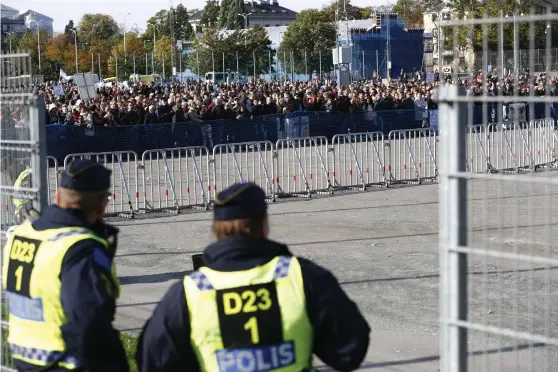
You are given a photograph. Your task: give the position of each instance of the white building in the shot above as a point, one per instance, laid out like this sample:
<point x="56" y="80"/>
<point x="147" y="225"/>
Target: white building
<point x="265" y="13"/>
<point x="31" y="18"/>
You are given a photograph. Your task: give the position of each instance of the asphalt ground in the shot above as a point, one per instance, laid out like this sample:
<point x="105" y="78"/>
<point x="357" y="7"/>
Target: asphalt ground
<point x="382" y="245"/>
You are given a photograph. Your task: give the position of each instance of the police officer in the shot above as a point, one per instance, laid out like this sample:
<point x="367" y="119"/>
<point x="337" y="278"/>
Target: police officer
<point x="254" y="306"/>
<point x="60" y="280"/>
<point x="20" y="203"/>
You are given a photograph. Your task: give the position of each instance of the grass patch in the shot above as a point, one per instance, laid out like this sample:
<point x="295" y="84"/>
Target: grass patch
<point x="130" y="343"/>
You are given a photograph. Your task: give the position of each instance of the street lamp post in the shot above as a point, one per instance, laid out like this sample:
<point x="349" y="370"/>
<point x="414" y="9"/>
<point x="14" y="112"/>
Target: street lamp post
<point x="38" y="40"/>
<point x="154" y="46"/>
<point x="76" y="47"/>
<point x="146" y="72"/>
<point x="515" y="38"/>
<point x="125" y="15"/>
<point x="245" y="16"/>
<point x="10" y="39"/>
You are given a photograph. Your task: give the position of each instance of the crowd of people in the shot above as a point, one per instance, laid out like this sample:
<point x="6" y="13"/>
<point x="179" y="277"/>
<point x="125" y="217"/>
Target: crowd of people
<point x="199" y="102"/>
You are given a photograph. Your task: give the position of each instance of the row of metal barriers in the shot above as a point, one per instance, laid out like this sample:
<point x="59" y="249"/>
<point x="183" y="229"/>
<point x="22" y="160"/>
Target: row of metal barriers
<point x="173" y="179"/>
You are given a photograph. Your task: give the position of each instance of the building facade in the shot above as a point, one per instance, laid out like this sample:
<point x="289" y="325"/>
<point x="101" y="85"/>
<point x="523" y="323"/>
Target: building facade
<point x="31" y="18"/>
<point x="265" y="13"/>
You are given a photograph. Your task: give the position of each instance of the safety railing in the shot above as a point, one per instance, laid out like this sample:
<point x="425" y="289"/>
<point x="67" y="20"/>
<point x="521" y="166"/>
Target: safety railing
<point x="124" y="198"/>
<point x="359" y="160"/>
<point x="478" y="158"/>
<point x="303" y="167"/>
<point x="53" y="173"/>
<point x="175" y="179"/>
<point x="245" y="162"/>
<point x="412" y="156"/>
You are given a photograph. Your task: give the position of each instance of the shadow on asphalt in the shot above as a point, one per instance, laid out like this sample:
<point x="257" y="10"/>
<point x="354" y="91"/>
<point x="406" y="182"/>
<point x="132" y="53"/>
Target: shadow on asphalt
<point x="433" y="358"/>
<point x="153" y="278"/>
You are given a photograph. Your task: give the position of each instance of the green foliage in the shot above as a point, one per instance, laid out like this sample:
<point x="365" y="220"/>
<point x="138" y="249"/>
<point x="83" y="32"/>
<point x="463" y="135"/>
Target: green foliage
<point x="309" y="25"/>
<point x="96" y="27"/>
<point x="212" y="46"/>
<point x="173" y="23"/>
<point x="351" y="10"/>
<point x="411" y="11"/>
<point x="229" y="15"/>
<point x="210" y="17"/>
<point x="130" y="343"/>
<point x="182" y="28"/>
<point x="11" y="40"/>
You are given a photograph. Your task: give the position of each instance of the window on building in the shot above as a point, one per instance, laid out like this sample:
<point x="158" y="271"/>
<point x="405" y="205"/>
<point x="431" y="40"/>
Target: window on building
<point x="266" y="26"/>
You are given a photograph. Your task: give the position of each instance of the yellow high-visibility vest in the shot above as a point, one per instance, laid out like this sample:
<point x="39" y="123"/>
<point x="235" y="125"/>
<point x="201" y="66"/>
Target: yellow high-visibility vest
<point x="21" y="181"/>
<point x="252" y="320"/>
<point x="31" y="278"/>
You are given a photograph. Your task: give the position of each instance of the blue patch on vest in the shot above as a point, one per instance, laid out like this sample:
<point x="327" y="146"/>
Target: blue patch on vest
<point x="282" y="268"/>
<point x="264" y="358"/>
<point x="100" y="258"/>
<point x="42" y="356"/>
<point x="25" y="308"/>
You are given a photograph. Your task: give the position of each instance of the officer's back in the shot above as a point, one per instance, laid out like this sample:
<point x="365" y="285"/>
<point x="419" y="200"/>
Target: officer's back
<point x="60" y="280"/>
<point x="254" y="307"/>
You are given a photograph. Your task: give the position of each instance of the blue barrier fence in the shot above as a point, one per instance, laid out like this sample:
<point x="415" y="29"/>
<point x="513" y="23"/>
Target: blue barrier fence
<point x="64" y="139"/>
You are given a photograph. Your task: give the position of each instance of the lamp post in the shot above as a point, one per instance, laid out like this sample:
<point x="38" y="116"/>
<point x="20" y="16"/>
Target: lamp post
<point x="245" y="16"/>
<point x="146" y="72"/>
<point x="153" y="54"/>
<point x="125" y="15"/>
<point x="38" y="40"/>
<point x="76" y="48"/>
<point x="515" y="38"/>
<point x="10" y="39"/>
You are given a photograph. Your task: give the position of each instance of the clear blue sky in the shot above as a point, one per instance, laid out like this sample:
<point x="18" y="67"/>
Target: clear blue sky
<point x="62" y="11"/>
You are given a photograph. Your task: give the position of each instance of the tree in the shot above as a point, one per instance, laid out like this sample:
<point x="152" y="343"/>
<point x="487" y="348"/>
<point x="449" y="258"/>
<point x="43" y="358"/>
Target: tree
<point x="11" y="42"/>
<point x="182" y="28"/>
<point x="312" y="25"/>
<point x="352" y="11"/>
<point x="210" y="17"/>
<point x="135" y="52"/>
<point x="68" y="30"/>
<point x="229" y="15"/>
<point x="97" y="27"/>
<point x="213" y="47"/>
<point x="29" y="42"/>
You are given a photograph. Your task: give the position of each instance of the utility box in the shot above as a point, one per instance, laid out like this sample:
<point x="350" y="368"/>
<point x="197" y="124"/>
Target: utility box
<point x="344" y="54"/>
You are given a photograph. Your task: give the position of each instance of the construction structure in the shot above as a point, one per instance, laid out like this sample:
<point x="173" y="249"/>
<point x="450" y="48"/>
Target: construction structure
<point x="385" y="46"/>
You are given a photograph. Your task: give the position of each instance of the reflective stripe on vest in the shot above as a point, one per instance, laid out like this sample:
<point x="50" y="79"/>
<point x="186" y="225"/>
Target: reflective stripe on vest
<point x="31" y="278"/>
<point x="252" y="320"/>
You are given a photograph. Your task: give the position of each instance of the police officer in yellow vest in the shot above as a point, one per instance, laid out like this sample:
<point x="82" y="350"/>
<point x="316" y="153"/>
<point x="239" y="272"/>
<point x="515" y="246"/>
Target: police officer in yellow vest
<point x="254" y="306"/>
<point x="60" y="281"/>
<point x="23" y="180"/>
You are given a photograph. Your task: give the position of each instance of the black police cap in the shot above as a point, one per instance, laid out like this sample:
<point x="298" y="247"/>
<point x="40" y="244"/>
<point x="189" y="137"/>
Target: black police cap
<point x="241" y="200"/>
<point x="86" y="175"/>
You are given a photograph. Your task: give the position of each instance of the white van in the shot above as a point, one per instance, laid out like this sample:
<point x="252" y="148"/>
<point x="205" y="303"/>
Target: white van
<point x="221" y="77"/>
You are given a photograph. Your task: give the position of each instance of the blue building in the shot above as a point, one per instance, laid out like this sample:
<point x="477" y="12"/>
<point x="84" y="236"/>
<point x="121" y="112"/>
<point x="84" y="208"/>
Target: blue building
<point x="409" y="46"/>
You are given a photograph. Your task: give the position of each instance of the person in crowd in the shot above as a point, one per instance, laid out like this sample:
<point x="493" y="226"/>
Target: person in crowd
<point x="209" y="322"/>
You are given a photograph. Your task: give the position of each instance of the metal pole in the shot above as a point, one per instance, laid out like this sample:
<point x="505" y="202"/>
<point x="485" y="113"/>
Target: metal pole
<point x="237" y="68"/>
<point x="154" y="47"/>
<point x="180" y="61"/>
<point x="99" y="55"/>
<point x="198" y="64"/>
<point x="515" y="46"/>
<point x="377" y="64"/>
<point x="223" y="64"/>
<point x="76" y="47"/>
<point x="320" y="57"/>
<point x="453" y="232"/>
<point x="116" y="68"/>
<point x="213" y="63"/>
<point x="146" y="64"/>
<point x="163" y="58"/>
<point x="134" y="57"/>
<point x="39" y="45"/>
<point x="269" y="61"/>
<point x="363" y="76"/>
<point x="501" y="37"/>
<point x="254" y="62"/>
<point x="292" y="66"/>
<point x="92" y="64"/>
<point x="306" y="66"/>
<point x="153" y="63"/>
<point x="285" y="64"/>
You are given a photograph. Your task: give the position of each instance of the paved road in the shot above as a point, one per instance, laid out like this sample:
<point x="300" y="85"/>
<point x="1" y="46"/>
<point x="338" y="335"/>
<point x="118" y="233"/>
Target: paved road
<point x="383" y="246"/>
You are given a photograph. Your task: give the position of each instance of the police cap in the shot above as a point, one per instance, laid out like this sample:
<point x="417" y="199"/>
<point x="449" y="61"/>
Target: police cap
<point x="241" y="200"/>
<point x="86" y="175"/>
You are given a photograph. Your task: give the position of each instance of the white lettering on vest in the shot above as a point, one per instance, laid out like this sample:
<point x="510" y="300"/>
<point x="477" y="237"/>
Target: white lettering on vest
<point x="260" y="359"/>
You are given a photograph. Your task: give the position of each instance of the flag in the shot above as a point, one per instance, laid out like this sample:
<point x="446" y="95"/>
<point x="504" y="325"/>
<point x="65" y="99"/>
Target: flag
<point x="63" y="74"/>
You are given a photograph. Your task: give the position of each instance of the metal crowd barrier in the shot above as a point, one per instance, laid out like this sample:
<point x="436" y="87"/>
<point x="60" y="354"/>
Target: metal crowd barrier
<point x="245" y="162"/>
<point x="478" y="158"/>
<point x="52" y="178"/>
<point x="302" y="167"/>
<point x="358" y="160"/>
<point x="175" y="179"/>
<point x="412" y="156"/>
<point x="124" y="179"/>
<point x="522" y="146"/>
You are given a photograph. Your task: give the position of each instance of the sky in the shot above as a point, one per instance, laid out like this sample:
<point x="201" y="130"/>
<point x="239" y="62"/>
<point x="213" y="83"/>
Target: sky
<point x="62" y="11"/>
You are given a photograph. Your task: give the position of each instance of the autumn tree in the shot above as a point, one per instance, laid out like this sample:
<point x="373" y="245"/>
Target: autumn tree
<point x="210" y="17"/>
<point x="94" y="27"/>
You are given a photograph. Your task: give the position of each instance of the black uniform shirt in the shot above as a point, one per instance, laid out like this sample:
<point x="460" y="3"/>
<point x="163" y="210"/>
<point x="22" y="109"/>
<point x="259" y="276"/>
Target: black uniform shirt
<point x="341" y="334"/>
